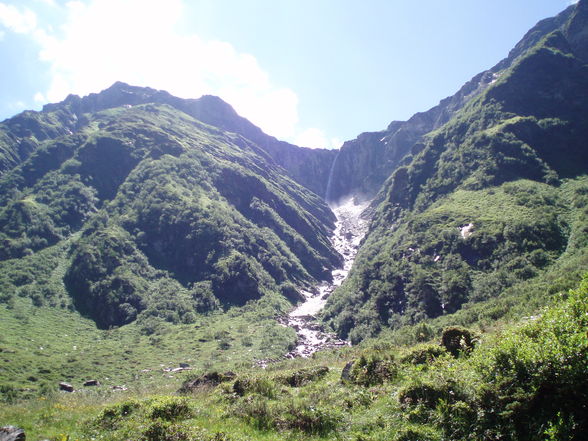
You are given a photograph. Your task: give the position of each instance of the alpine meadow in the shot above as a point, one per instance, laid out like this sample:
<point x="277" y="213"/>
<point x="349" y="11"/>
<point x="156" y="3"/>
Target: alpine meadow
<point x="170" y="272"/>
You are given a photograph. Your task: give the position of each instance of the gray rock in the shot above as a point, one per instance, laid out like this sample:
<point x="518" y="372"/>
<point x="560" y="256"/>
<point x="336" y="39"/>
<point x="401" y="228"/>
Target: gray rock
<point x="346" y="373"/>
<point x="66" y="387"/>
<point x="11" y="433"/>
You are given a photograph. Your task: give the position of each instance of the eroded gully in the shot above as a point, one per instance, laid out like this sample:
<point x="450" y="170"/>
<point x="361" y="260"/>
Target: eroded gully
<point x="350" y="228"/>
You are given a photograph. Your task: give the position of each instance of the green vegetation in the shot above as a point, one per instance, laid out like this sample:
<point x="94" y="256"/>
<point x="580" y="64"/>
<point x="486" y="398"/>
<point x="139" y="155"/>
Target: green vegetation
<point x="41" y="346"/>
<point x="145" y="213"/>
<point x="491" y="204"/>
<point x="522" y="382"/>
<point x="153" y="253"/>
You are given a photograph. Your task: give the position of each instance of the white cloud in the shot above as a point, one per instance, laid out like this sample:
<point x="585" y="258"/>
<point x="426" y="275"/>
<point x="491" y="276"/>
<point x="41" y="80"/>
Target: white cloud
<point x="40" y="98"/>
<point x="21" y="22"/>
<point x="137" y="41"/>
<point x="48" y="3"/>
<point x="316" y="138"/>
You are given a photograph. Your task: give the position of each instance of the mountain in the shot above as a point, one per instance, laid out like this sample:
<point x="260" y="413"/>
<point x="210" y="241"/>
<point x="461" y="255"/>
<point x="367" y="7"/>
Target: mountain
<point x="132" y="192"/>
<point x="146" y="210"/>
<point x="492" y="197"/>
<point x="363" y="164"/>
<point x="153" y="249"/>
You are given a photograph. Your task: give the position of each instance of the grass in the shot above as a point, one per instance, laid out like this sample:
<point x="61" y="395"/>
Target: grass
<point x="431" y="395"/>
<point x="43" y="346"/>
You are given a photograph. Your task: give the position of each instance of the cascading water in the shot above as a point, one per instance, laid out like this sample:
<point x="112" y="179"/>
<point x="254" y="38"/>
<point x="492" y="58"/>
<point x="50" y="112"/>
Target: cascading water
<point x="350" y="228"/>
<point x="329" y="191"/>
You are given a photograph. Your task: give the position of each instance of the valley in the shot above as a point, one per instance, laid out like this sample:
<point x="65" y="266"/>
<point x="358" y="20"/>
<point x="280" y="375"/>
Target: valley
<point x="425" y="282"/>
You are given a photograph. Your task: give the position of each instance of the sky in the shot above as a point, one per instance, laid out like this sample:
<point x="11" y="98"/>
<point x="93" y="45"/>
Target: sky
<point x="312" y="72"/>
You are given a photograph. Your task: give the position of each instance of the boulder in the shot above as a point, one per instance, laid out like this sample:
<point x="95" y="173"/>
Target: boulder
<point x="11" y="433"/>
<point x="346" y="373"/>
<point x="66" y="387"/>
<point x="91" y="383"/>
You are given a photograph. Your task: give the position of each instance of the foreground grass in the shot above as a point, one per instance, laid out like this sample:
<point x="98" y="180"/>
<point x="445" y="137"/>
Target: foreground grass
<point x="525" y="382"/>
<point x="40" y="347"/>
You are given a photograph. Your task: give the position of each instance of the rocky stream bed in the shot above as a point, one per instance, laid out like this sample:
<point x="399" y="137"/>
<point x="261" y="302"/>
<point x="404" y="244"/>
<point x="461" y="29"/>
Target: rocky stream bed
<point x="311" y="336"/>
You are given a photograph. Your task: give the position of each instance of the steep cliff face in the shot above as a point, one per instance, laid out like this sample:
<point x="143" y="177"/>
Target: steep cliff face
<point x="363" y="164"/>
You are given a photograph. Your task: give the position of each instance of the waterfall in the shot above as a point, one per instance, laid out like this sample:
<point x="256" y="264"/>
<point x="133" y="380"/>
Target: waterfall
<point x="328" y="194"/>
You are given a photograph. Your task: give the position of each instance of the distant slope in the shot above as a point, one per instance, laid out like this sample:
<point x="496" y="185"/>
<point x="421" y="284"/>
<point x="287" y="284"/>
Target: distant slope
<point x="495" y="197"/>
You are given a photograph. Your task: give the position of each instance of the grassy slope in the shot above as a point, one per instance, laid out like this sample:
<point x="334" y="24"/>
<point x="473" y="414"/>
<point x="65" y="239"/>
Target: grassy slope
<point x="512" y="386"/>
<point x="176" y="182"/>
<point x="43" y="346"/>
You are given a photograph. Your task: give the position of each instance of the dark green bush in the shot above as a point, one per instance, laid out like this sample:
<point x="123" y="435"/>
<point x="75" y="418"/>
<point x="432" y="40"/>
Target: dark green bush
<point x="304" y="376"/>
<point x="372" y="370"/>
<point x="457" y="340"/>
<point x="424" y="354"/>
<point x="170" y="409"/>
<point x="209" y="379"/>
<point x="165" y="431"/>
<point x="255" y="385"/>
<point x="416" y="434"/>
<point x="428" y="395"/>
<point x="309" y="419"/>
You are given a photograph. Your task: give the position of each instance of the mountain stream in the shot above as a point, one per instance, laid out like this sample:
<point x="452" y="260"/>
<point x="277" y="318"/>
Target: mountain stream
<point x="350" y="228"/>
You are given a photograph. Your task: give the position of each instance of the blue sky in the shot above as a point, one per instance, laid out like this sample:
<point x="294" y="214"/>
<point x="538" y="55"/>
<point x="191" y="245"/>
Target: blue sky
<point x="313" y="72"/>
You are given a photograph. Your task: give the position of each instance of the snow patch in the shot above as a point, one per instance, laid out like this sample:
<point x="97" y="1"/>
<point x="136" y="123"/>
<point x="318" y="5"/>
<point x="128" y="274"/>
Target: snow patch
<point x="466" y="230"/>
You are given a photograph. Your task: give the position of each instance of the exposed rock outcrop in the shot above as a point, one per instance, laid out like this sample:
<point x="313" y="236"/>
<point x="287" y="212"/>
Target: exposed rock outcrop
<point x="11" y="433"/>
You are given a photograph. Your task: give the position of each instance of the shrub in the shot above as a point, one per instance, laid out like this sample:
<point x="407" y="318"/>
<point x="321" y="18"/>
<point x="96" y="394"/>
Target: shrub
<point x="424" y="354"/>
<point x="111" y="417"/>
<point x="165" y="431"/>
<point x="304" y="376"/>
<point x="8" y="393"/>
<point x="310" y="419"/>
<point x="416" y="434"/>
<point x="256" y="411"/>
<point x="170" y="409"/>
<point x="457" y="340"/>
<point x="372" y="370"/>
<point x="255" y="385"/>
<point x="428" y="395"/>
<point x="210" y="379"/>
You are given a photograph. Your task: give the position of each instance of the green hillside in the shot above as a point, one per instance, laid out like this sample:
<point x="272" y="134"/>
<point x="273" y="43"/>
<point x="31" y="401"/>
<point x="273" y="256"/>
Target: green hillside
<point x="494" y="199"/>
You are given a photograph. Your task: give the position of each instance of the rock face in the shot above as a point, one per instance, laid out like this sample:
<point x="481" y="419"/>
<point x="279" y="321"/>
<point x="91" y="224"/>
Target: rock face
<point x="11" y="433"/>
